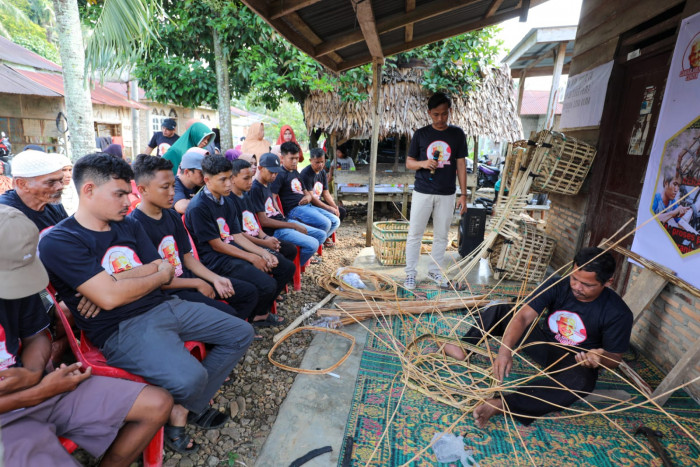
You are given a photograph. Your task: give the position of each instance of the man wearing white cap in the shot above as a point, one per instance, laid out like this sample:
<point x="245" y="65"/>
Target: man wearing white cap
<point x="38" y="182"/>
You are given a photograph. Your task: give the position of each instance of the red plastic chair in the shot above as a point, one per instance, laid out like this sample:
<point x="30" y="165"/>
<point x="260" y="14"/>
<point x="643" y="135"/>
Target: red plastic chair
<point x="320" y="246"/>
<point x="89" y="355"/>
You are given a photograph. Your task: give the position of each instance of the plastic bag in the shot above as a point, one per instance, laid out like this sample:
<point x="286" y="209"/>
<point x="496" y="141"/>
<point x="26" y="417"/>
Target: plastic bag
<point x="352" y="279"/>
<point x="330" y="322"/>
<point x="450" y="448"/>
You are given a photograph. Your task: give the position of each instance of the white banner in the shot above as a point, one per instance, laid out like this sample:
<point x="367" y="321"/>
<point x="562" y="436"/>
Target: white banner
<point x="673" y="239"/>
<point x="585" y="97"/>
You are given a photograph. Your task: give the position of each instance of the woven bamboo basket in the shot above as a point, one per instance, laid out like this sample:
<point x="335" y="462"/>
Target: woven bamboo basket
<point x="563" y="163"/>
<point x="525" y="257"/>
<point x="389" y="242"/>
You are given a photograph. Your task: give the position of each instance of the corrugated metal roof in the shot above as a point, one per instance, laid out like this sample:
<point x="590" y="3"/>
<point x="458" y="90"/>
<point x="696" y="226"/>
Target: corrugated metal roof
<point x="13" y="53"/>
<point x="15" y="83"/>
<point x="99" y="94"/>
<point x="535" y="103"/>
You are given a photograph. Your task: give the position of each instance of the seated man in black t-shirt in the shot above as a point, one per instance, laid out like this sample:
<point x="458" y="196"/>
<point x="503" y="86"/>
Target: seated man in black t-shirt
<point x="193" y="281"/>
<point x="189" y="179"/>
<point x="314" y="178"/>
<point x="212" y="220"/>
<point x="99" y="414"/>
<point x="587" y="327"/>
<point x="241" y="182"/>
<point x="107" y="257"/>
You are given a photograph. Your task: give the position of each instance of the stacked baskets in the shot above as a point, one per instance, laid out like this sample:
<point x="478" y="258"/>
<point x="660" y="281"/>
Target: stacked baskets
<point x="389" y="242"/>
<point x="524" y="257"/>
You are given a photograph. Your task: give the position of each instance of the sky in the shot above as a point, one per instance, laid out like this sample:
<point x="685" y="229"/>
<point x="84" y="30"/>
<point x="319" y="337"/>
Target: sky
<point x="551" y="13"/>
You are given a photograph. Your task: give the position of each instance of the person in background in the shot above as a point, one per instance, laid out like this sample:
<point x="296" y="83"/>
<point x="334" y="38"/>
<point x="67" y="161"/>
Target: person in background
<point x="252" y="160"/>
<point x="232" y="154"/>
<point x="108" y="417"/>
<point x="343" y="160"/>
<point x="5" y="181"/>
<point x="188" y="181"/>
<point x="287" y="135"/>
<point x="69" y="196"/>
<point x="198" y="135"/>
<point x="315" y="181"/>
<point x="162" y="140"/>
<point x="255" y="142"/>
<point x="115" y="150"/>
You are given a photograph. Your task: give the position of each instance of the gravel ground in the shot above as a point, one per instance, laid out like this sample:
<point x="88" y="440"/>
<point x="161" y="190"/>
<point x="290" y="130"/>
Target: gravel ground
<point x="259" y="389"/>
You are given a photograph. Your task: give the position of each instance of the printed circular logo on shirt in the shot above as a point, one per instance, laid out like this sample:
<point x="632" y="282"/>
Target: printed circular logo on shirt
<point x="567" y="327"/>
<point x="270" y="210"/>
<point x="224" y="231"/>
<point x="6" y="358"/>
<point x="119" y="259"/>
<point x="250" y="224"/>
<point x="440" y="151"/>
<point x="163" y="148"/>
<point x="296" y="186"/>
<point x="167" y="249"/>
<point x="318" y="189"/>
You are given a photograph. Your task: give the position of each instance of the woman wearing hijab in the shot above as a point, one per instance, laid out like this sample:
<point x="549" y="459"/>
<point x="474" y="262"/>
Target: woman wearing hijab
<point x="232" y="154"/>
<point x="255" y="142"/>
<point x="114" y="150"/>
<point x="287" y="134"/>
<point x="197" y="135"/>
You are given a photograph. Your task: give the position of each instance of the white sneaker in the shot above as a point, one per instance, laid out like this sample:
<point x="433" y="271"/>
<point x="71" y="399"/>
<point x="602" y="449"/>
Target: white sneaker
<point x="438" y="279"/>
<point x="409" y="283"/>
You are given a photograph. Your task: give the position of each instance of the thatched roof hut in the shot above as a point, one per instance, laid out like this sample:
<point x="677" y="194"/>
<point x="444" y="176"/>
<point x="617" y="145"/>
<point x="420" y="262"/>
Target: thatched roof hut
<point x="490" y="111"/>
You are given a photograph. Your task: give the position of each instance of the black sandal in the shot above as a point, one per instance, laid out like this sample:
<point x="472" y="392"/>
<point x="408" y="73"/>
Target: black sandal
<point x="176" y="439"/>
<point x="271" y="320"/>
<point x="210" y="418"/>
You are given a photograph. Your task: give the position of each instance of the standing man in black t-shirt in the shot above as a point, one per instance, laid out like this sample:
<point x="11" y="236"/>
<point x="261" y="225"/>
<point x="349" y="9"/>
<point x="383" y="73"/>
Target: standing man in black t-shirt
<point x="163" y="139"/>
<point x="437" y="155"/>
<point x="586" y="326"/>
<point x="189" y="179"/>
<point x="314" y="178"/>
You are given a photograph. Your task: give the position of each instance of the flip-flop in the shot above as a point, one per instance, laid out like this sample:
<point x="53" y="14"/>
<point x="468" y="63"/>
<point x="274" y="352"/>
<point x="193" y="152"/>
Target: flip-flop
<point x="280" y="298"/>
<point x="210" y="418"/>
<point x="176" y="439"/>
<point x="271" y="320"/>
<point x="328" y="244"/>
<point x="315" y="261"/>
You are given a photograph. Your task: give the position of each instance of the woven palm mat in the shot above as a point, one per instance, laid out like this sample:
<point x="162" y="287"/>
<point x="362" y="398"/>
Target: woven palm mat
<point x="583" y="441"/>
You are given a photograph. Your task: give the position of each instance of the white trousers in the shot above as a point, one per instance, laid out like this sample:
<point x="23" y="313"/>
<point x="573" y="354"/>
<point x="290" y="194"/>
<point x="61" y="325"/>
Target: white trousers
<point x="422" y="206"/>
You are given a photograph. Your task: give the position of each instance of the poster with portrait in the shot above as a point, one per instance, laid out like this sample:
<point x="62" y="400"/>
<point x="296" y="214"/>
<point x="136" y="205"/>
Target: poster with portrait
<point x="668" y="217"/>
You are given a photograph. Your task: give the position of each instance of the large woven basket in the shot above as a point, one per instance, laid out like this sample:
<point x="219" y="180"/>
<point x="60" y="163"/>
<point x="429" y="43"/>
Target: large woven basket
<point x="562" y="162"/>
<point x="523" y="258"/>
<point x="389" y="242"/>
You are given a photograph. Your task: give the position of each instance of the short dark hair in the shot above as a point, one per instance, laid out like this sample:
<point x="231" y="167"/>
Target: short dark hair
<point x="238" y="165"/>
<point x="145" y="167"/>
<point x="438" y="99"/>
<point x="343" y="150"/>
<point x="593" y="259"/>
<point x="214" y="165"/>
<point x="317" y="153"/>
<point x="100" y="167"/>
<point x="290" y="147"/>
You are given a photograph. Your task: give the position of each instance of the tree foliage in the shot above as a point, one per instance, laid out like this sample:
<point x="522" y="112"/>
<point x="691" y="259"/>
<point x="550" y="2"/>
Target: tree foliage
<point x="29" y="23"/>
<point x="269" y="70"/>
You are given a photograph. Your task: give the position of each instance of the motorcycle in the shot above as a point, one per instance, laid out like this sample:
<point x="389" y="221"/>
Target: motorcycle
<point x="488" y="176"/>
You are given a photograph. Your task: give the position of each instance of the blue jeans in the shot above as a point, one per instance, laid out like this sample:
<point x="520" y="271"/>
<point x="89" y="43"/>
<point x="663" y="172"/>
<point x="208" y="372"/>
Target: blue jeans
<point x="151" y="345"/>
<point x="316" y="217"/>
<point x="308" y="243"/>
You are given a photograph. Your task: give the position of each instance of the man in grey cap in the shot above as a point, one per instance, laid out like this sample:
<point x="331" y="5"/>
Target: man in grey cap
<point x="102" y="415"/>
<point x="38" y="181"/>
<point x="163" y="139"/>
<point x="189" y="179"/>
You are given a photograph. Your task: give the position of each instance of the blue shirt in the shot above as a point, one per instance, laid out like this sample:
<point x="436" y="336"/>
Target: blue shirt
<point x="658" y="204"/>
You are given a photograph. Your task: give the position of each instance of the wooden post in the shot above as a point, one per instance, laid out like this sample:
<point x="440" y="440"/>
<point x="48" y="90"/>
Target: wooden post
<point x="397" y="148"/>
<point x="332" y="147"/>
<point x="521" y="90"/>
<point x="554" y="92"/>
<point x="376" y="113"/>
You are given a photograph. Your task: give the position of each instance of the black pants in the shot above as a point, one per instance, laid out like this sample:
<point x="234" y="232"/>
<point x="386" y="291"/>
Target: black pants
<point x="268" y="287"/>
<point x="241" y="304"/>
<point x="343" y="213"/>
<point x="525" y="403"/>
<point x="288" y="250"/>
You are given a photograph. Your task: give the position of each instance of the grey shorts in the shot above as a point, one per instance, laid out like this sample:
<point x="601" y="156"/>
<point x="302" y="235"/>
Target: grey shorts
<point x="90" y="416"/>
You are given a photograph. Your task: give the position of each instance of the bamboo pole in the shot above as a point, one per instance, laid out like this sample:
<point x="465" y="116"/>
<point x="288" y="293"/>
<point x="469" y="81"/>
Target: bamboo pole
<point x="376" y="114"/>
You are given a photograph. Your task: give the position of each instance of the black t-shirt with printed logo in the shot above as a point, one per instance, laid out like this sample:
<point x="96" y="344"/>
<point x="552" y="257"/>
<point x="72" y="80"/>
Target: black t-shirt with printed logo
<point x="159" y="139"/>
<point x="289" y="187"/>
<point x="316" y="183"/>
<point x="182" y="192"/>
<point x="207" y="220"/>
<point x="261" y="200"/>
<point x="50" y="216"/>
<point x="605" y="323"/>
<point x="246" y="213"/>
<point x="19" y="319"/>
<point x="169" y="236"/>
<point x="73" y="255"/>
<point x="448" y="146"/>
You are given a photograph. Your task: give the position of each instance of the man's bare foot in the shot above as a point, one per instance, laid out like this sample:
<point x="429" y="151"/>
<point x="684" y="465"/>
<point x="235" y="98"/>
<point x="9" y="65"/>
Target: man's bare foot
<point x="454" y="351"/>
<point x="485" y="411"/>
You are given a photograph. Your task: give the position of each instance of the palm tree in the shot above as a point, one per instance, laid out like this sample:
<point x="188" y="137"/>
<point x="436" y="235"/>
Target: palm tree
<point x="117" y="35"/>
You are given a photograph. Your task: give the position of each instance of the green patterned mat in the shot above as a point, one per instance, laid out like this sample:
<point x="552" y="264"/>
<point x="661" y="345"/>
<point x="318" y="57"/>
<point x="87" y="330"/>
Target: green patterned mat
<point x="584" y="441"/>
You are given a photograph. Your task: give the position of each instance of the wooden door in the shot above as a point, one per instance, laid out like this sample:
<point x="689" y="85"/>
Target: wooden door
<point x="627" y="132"/>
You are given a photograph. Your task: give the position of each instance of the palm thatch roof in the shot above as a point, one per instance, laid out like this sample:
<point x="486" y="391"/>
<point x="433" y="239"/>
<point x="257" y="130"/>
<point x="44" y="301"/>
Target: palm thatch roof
<point x="489" y="111"/>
